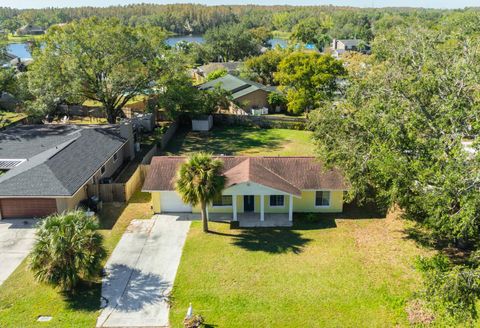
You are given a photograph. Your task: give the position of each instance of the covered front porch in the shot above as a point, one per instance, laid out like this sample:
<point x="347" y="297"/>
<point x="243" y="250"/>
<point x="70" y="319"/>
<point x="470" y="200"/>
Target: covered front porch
<point x="251" y="220"/>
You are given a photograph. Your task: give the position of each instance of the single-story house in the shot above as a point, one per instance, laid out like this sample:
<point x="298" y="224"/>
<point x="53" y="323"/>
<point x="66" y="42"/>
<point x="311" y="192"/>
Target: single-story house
<point x="255" y="187"/>
<point x="249" y="94"/>
<point x="201" y="72"/>
<point x="50" y="168"/>
<point x="339" y="47"/>
<point x="30" y="29"/>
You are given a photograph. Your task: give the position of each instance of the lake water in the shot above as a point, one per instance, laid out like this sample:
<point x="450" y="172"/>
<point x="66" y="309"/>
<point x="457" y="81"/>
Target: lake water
<point x="21" y="50"/>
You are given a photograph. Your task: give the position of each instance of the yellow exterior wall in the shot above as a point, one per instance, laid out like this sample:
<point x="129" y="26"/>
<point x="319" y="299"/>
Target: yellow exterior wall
<point x="305" y="204"/>
<point x="226" y="209"/>
<point x="156" y="202"/>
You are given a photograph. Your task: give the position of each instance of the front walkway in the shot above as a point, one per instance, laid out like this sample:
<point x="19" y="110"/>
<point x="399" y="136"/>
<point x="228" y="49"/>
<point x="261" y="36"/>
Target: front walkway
<point x="141" y="271"/>
<point x="17" y="238"/>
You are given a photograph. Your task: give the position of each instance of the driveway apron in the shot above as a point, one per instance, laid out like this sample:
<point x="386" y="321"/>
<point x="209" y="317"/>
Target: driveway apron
<point x="141" y="271"/>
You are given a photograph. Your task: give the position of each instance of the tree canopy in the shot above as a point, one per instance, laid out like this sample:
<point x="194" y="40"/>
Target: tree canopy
<point x="101" y="60"/>
<point x="308" y="79"/>
<point x="231" y="42"/>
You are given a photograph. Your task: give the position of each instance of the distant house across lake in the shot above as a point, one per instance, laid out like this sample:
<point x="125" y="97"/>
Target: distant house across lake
<point x="340" y="46"/>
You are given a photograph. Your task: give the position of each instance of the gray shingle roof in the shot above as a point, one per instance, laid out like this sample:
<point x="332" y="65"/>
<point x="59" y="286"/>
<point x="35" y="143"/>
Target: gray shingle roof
<point x="237" y="86"/>
<point x="60" y="158"/>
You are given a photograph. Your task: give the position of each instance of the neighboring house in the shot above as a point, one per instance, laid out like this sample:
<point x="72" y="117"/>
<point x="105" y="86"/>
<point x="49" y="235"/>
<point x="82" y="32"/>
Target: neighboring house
<point x="248" y="94"/>
<point x="200" y="73"/>
<point x="30" y="29"/>
<point x="262" y="185"/>
<point x="339" y="47"/>
<point x="46" y="169"/>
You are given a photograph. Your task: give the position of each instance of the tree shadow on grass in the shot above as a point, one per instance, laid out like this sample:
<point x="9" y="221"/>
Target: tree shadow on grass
<point x="268" y="240"/>
<point x="86" y="297"/>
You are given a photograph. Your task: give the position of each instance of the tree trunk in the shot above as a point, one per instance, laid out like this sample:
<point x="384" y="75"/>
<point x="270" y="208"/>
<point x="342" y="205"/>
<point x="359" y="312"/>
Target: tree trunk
<point x="111" y="117"/>
<point x="204" y="217"/>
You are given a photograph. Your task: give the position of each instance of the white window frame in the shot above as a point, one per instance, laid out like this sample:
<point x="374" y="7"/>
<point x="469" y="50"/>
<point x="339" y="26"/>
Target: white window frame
<point x="275" y="206"/>
<point x="329" y="199"/>
<point x="223" y="206"/>
<point x="115" y="157"/>
<point x="104" y="168"/>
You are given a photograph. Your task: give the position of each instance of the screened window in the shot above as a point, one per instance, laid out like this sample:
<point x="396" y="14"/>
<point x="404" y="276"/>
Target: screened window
<point x="222" y="201"/>
<point x="276" y="200"/>
<point x="322" y="198"/>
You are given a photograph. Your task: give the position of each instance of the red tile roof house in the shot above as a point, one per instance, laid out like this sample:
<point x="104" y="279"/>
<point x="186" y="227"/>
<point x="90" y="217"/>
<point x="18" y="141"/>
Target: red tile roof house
<point x="259" y="191"/>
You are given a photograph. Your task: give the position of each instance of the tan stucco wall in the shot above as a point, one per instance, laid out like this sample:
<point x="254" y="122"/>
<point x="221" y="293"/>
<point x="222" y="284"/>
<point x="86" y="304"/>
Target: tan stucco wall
<point x="255" y="99"/>
<point x="68" y="204"/>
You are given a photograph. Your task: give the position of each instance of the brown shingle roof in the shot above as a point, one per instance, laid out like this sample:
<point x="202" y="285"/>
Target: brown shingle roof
<point x="287" y="174"/>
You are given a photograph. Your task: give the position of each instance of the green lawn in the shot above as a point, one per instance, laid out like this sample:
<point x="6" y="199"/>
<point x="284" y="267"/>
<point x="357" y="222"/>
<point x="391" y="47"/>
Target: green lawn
<point x="338" y="273"/>
<point x="22" y="299"/>
<point x="7" y="118"/>
<point x="240" y="140"/>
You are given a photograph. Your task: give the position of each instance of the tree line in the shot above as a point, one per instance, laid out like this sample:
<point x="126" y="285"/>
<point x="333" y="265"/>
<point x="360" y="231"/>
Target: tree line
<point x="339" y="22"/>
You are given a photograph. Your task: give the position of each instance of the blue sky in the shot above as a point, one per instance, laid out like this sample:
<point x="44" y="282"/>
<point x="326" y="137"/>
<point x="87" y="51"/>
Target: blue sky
<point x="356" y="3"/>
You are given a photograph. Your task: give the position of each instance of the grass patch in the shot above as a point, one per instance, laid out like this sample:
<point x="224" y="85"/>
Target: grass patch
<point x="21" y="38"/>
<point x="333" y="273"/>
<point x="241" y="140"/>
<point x="22" y="299"/>
<point x="7" y="118"/>
<point x="94" y="103"/>
<point x="281" y="34"/>
<point x="88" y="120"/>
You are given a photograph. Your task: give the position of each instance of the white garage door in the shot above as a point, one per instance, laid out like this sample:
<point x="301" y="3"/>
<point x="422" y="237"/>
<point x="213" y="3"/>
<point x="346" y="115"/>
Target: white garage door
<point x="171" y="202"/>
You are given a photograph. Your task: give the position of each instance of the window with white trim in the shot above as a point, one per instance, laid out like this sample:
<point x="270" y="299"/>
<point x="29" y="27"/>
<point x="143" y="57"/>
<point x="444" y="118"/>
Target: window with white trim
<point x="222" y="200"/>
<point x="322" y="198"/>
<point x="277" y="200"/>
<point x="115" y="157"/>
<point x="102" y="170"/>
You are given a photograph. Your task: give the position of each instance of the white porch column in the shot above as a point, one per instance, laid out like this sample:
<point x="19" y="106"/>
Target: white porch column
<point x="208" y="216"/>
<point x="262" y="210"/>
<point x="234" y="203"/>
<point x="290" y="208"/>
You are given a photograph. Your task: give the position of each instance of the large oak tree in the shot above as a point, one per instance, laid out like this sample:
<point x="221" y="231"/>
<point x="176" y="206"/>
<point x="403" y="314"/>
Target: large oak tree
<point x="100" y="60"/>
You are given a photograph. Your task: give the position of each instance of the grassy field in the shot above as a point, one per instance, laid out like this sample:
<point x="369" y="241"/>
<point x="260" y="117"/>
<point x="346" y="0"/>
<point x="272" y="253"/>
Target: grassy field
<point x="337" y="273"/>
<point x="22" y="299"/>
<point x="239" y="140"/>
<point x="24" y="38"/>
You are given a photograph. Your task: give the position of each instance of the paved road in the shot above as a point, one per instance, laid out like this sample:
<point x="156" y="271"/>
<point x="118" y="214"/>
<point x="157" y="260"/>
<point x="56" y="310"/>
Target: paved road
<point x="16" y="240"/>
<point x="141" y="272"/>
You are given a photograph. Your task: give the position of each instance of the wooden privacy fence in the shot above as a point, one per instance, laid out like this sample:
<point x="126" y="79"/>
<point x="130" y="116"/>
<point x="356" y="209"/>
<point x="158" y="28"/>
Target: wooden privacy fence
<point x="122" y="192"/>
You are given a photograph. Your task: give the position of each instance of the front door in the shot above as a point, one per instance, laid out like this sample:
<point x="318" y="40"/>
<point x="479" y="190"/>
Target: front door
<point x="248" y="203"/>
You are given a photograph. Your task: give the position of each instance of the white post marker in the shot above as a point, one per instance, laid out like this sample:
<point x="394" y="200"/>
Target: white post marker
<point x="234" y="203"/>
<point x="262" y="210"/>
<point x="189" y="312"/>
<point x="290" y="208"/>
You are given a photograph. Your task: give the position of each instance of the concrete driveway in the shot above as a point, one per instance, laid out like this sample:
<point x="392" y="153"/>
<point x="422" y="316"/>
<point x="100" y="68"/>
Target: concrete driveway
<point x="141" y="271"/>
<point x="16" y="241"/>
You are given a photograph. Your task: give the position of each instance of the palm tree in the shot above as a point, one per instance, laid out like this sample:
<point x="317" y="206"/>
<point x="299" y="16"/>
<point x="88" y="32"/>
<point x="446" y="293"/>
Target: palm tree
<point x="199" y="181"/>
<point x="67" y="249"/>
